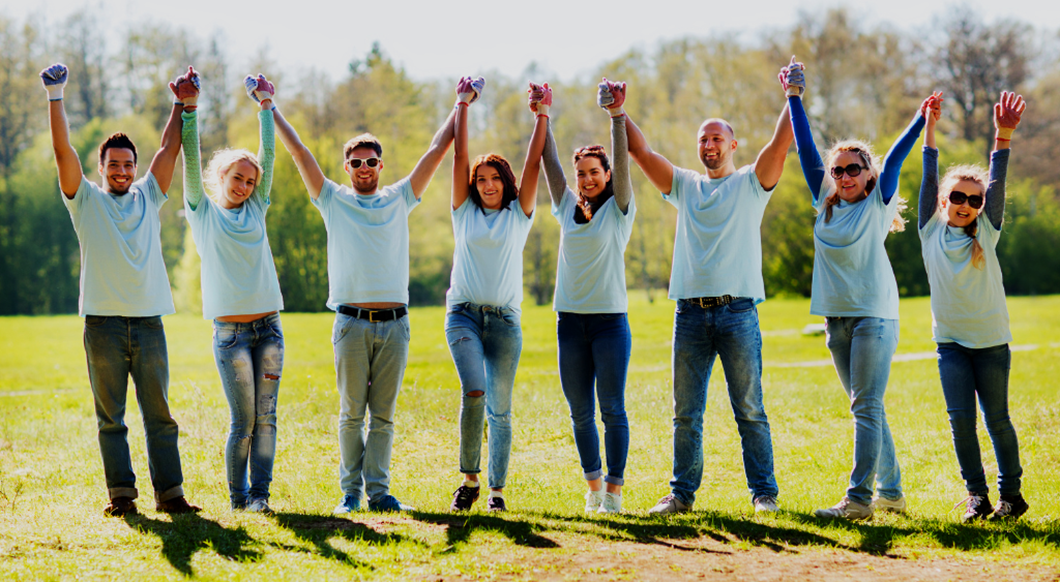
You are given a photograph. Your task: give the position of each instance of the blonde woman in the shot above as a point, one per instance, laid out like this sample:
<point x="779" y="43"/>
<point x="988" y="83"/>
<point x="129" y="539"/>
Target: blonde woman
<point x="240" y="293"/>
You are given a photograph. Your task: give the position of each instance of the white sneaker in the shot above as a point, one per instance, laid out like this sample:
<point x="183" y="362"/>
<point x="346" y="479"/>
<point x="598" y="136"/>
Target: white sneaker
<point x="846" y="509"/>
<point x="670" y="504"/>
<point x="892" y="505"/>
<point x="612" y="503"/>
<point x="593" y="501"/>
<point x="765" y="504"/>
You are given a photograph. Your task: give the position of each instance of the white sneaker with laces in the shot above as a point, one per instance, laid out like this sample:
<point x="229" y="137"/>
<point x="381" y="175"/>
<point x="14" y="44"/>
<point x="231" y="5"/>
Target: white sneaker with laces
<point x="765" y="504"/>
<point x="670" y="504"/>
<point x="846" y="509"/>
<point x="612" y="503"/>
<point x="892" y="505"/>
<point x="593" y="501"/>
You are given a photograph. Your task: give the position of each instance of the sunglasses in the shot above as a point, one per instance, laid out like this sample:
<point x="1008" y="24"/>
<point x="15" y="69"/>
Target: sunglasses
<point x="958" y="198"/>
<point x="356" y="162"/>
<point x="853" y="170"/>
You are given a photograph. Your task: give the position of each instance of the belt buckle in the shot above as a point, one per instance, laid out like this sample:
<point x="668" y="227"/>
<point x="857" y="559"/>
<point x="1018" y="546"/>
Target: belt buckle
<point x="371" y="316"/>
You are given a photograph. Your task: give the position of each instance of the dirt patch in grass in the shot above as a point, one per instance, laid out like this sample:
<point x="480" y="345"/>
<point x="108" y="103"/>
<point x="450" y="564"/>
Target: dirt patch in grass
<point x="709" y="559"/>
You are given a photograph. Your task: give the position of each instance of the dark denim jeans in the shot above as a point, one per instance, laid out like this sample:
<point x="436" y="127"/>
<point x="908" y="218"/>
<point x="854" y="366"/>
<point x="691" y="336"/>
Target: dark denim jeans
<point x="485" y="343"/>
<point x="701" y="334"/>
<point x="116" y="347"/>
<point x="969" y="373"/>
<point x="249" y="358"/>
<point x="594" y="353"/>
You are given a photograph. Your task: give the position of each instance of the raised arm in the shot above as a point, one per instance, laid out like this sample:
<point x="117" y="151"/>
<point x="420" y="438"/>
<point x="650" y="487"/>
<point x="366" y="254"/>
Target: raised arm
<point x="892" y="162"/>
<point x="540" y="102"/>
<point x="929" y="183"/>
<point x="423" y="172"/>
<point x="611" y="97"/>
<point x="532" y="167"/>
<point x="303" y="158"/>
<point x="659" y="170"/>
<point x="465" y="94"/>
<point x="1007" y="114"/>
<point x="770" y="163"/>
<point x="165" y="160"/>
<point x="261" y="91"/>
<point x="70" y="173"/>
<point x="189" y="137"/>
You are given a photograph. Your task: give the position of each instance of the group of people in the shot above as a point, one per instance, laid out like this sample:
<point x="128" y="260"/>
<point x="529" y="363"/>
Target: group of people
<point x="716" y="281"/>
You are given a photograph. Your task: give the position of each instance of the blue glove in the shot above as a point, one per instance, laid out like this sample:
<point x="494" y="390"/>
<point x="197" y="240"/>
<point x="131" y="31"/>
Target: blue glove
<point x="259" y="88"/>
<point x="794" y="78"/>
<point x="54" y="78"/>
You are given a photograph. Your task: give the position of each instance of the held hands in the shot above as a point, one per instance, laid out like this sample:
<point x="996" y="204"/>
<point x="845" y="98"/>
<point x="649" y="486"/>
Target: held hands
<point x="468" y="90"/>
<point x="792" y="78"/>
<point x="540" y="98"/>
<point x="54" y="78"/>
<point x="931" y="109"/>
<point x="186" y="89"/>
<point x="259" y="89"/>
<point x="1007" y="113"/>
<point x="611" y="97"/>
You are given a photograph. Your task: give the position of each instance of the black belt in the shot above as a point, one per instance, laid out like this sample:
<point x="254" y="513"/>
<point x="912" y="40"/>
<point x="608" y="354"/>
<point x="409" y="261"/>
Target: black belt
<point x="373" y="315"/>
<point x="706" y="302"/>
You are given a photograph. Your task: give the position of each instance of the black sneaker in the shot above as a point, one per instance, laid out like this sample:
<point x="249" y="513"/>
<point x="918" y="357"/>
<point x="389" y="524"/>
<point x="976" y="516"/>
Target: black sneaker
<point x="1009" y="507"/>
<point x="120" y="506"/>
<point x="495" y="504"/>
<point x="464" y="498"/>
<point x="976" y="506"/>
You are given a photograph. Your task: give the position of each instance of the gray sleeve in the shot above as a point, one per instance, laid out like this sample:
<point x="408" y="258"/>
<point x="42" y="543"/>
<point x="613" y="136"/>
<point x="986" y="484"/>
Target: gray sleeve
<point x="929" y="187"/>
<point x="621" y="181"/>
<point x="557" y="182"/>
<point x="995" y="192"/>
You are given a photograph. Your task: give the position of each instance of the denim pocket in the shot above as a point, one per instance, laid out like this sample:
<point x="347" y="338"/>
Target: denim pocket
<point x="510" y="318"/>
<point x="153" y="322"/>
<point x="341" y="327"/>
<point x="741" y="305"/>
<point x="611" y="316"/>
<point x="95" y="320"/>
<point x="406" y="327"/>
<point x="225" y="338"/>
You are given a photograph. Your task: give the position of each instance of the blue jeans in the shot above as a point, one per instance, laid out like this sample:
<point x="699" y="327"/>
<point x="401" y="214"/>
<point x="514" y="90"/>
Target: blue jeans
<point x="116" y="347"/>
<point x="485" y="343"/>
<point x="370" y="361"/>
<point x="701" y="334"/>
<point x="862" y="348"/>
<point x="967" y="373"/>
<point x="594" y="353"/>
<point x="249" y="358"/>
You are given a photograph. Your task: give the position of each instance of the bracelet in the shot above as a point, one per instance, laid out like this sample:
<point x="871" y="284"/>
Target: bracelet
<point x="1002" y="139"/>
<point x="459" y="103"/>
<point x="543" y="115"/>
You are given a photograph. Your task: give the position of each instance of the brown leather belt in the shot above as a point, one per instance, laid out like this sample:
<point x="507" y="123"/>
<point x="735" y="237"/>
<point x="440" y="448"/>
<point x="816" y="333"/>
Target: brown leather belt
<point x="706" y="302"/>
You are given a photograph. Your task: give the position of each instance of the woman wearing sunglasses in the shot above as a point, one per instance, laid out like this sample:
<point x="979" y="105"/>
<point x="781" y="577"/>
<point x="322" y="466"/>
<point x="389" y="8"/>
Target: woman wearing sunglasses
<point x="240" y="292"/>
<point x="492" y="217"/>
<point x="590" y="300"/>
<point x="854" y="288"/>
<point x="959" y="232"/>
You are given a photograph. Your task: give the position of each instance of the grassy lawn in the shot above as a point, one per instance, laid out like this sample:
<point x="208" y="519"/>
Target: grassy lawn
<point x="52" y="489"/>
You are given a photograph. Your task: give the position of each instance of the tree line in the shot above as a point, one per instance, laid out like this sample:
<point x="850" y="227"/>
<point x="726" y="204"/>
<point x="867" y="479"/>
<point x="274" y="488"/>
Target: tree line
<point x="864" y="81"/>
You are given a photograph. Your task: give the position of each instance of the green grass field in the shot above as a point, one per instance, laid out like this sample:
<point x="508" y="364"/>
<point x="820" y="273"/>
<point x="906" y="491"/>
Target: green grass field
<point x="52" y="490"/>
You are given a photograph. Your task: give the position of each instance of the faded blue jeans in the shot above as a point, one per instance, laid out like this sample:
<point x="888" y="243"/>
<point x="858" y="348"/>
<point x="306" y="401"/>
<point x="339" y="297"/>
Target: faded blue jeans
<point x="370" y="361"/>
<point x="249" y="358"/>
<point x="862" y="348"/>
<point x="967" y="373"/>
<point x="594" y="351"/>
<point x="730" y="332"/>
<point x="485" y="343"/>
<point x="117" y="347"/>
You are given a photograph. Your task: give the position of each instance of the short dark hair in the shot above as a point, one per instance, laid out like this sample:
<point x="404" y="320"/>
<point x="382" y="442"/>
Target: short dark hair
<point x="504" y="169"/>
<point x="117" y="140"/>
<point x="365" y="140"/>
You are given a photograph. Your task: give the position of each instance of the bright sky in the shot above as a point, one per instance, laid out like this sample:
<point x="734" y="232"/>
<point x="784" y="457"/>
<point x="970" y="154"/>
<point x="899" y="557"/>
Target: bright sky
<point x="437" y="39"/>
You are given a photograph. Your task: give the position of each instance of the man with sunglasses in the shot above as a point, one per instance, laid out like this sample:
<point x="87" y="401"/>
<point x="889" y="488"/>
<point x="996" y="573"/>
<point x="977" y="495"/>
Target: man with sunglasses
<point x="716" y="281"/>
<point x="368" y="277"/>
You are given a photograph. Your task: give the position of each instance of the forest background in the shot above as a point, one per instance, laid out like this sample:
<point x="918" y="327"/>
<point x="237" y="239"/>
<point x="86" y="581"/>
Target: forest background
<point x="864" y="81"/>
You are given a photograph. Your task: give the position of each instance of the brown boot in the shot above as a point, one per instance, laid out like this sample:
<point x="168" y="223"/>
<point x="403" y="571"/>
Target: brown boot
<point x="177" y="505"/>
<point x="120" y="506"/>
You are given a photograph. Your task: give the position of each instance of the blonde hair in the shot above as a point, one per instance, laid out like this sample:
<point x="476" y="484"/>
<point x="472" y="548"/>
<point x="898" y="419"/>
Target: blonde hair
<point x="972" y="173"/>
<point x="872" y="164"/>
<point x="220" y="162"/>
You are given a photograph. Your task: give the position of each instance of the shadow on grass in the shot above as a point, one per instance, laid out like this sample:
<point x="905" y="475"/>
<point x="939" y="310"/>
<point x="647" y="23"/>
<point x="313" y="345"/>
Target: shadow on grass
<point x="189" y="533"/>
<point x="320" y="529"/>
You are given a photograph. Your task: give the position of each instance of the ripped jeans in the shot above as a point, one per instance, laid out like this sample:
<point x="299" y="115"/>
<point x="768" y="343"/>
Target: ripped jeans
<point x="249" y="357"/>
<point x="485" y="343"/>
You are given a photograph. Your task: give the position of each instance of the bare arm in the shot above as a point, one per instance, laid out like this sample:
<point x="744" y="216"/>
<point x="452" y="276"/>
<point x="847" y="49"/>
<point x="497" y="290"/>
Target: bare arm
<point x="461" y="161"/>
<point x="70" y="173"/>
<point x="166" y="158"/>
<point x="770" y="163"/>
<point x="423" y="172"/>
<point x="532" y="166"/>
<point x="659" y="170"/>
<point x="303" y="158"/>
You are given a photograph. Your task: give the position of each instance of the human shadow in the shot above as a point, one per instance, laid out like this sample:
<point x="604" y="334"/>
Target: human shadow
<point x="319" y="530"/>
<point x="460" y="526"/>
<point x="188" y="533"/>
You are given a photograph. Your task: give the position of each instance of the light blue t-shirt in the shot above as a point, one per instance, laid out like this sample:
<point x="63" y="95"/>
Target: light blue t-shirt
<point x="238" y="273"/>
<point x="122" y="271"/>
<point x="718" y="246"/>
<point x="488" y="259"/>
<point x="852" y="275"/>
<point x="368" y="242"/>
<point x="967" y="304"/>
<point x="591" y="269"/>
